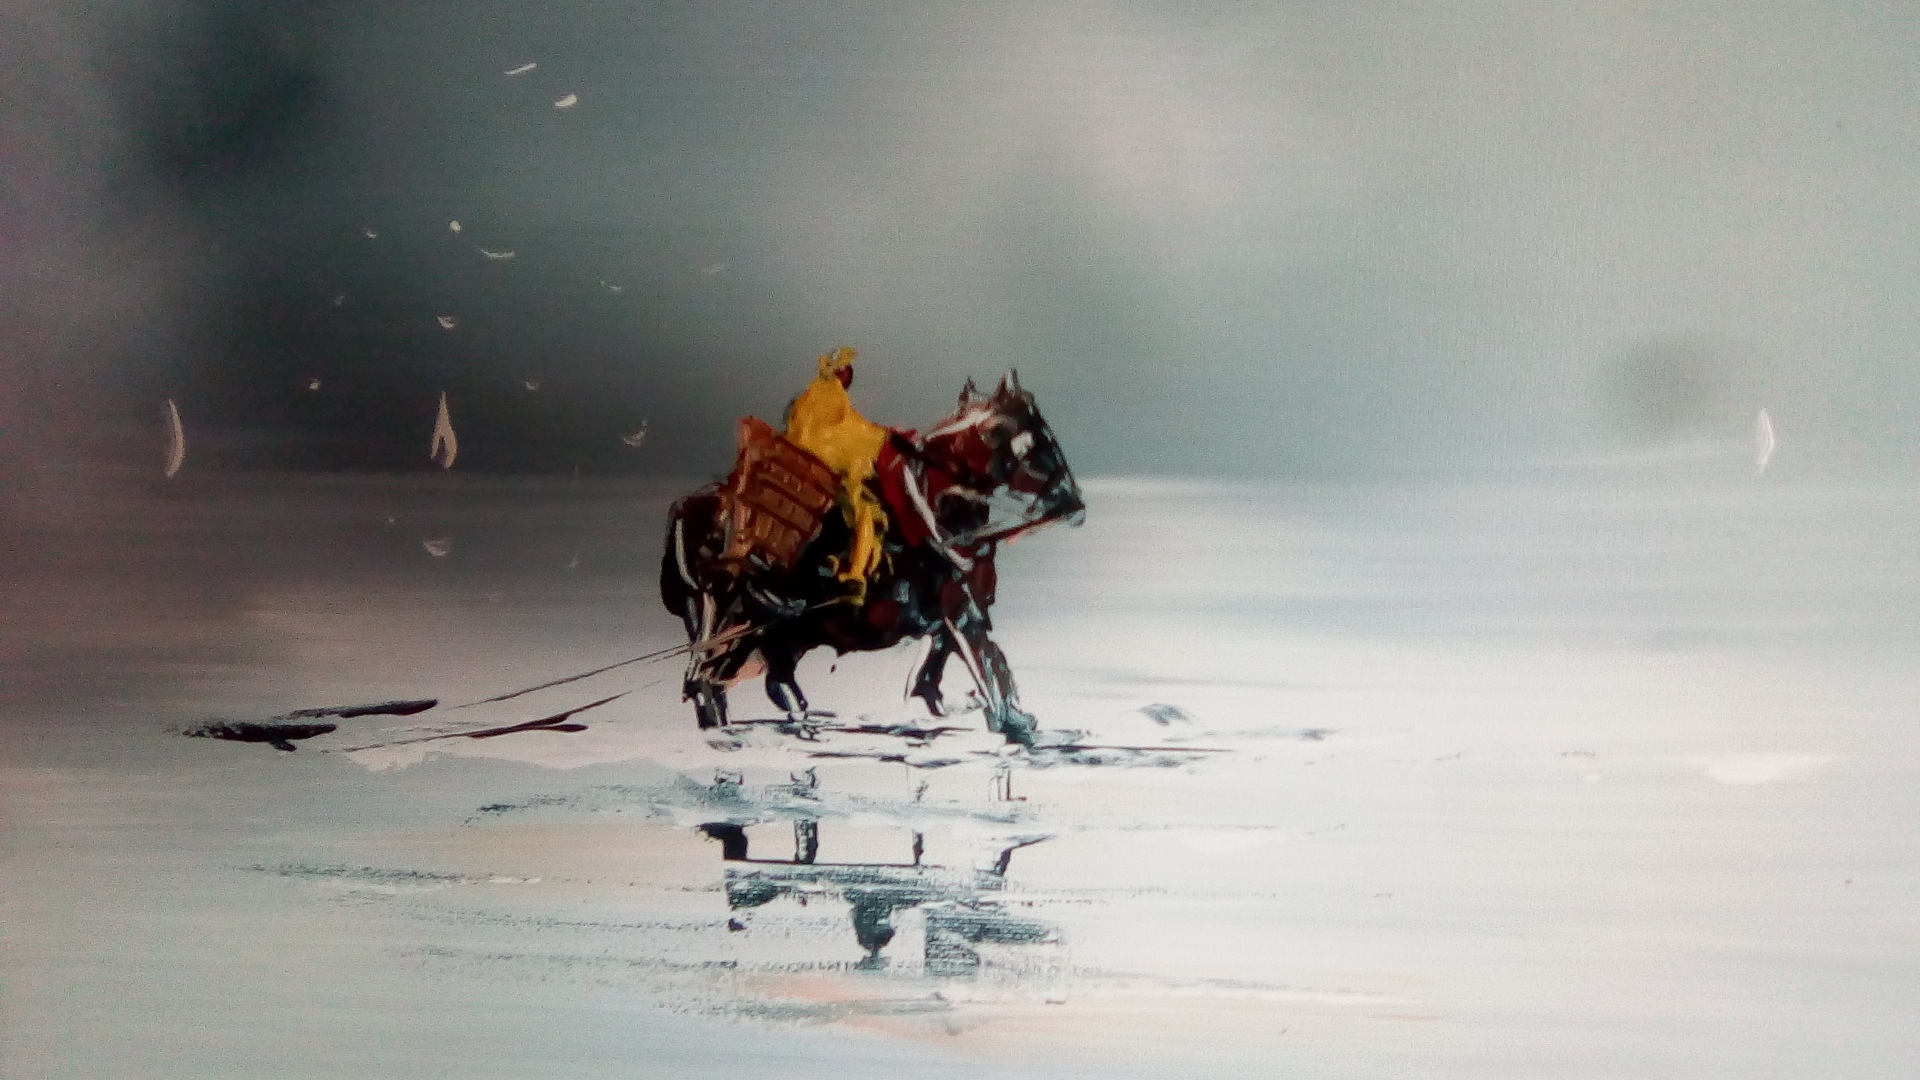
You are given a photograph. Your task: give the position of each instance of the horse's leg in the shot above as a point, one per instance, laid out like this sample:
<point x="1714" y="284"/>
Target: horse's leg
<point x="708" y="694"/>
<point x="925" y="684"/>
<point x="1016" y="723"/>
<point x="783" y="689"/>
<point x="988" y="666"/>
<point x="690" y="594"/>
<point x="709" y="704"/>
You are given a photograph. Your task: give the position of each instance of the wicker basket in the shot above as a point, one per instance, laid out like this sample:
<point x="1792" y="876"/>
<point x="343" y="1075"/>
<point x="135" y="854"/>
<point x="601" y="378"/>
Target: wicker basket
<point x="774" y="501"/>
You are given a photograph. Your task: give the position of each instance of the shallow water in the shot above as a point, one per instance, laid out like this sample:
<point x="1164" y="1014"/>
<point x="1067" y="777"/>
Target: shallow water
<point x="1546" y="780"/>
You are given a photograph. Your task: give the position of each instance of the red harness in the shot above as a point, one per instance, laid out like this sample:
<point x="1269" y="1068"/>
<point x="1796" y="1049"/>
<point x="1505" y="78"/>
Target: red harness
<point x="895" y="471"/>
<point x="891" y="469"/>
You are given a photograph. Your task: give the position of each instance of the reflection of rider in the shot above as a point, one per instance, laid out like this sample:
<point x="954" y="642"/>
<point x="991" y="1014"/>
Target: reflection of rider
<point x="823" y="421"/>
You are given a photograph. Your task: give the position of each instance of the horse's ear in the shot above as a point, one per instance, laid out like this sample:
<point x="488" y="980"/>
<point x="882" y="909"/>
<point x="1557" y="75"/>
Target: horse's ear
<point x="1009" y="386"/>
<point x="968" y="392"/>
<point x="1013" y="379"/>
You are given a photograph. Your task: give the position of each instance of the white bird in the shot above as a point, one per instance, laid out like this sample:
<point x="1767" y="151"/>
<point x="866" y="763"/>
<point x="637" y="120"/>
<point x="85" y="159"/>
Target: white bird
<point x="523" y="69"/>
<point x="448" y="322"/>
<point x="611" y="288"/>
<point x="454" y="225"/>
<point x="494" y="254"/>
<point x="637" y="437"/>
<point x="445" y="446"/>
<point x="1763" y="441"/>
<point x="438" y="547"/>
<point x="176" y="440"/>
<point x="567" y="102"/>
<point x="370" y="233"/>
<point x="533" y="384"/>
<point x="313" y="384"/>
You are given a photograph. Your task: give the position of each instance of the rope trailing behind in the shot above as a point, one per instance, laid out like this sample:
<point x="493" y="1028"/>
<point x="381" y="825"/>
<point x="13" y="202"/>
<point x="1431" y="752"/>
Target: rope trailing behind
<point x="705" y="645"/>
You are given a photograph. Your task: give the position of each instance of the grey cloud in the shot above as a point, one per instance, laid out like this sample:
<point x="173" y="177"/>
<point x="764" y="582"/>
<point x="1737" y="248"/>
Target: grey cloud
<point x="1348" y="241"/>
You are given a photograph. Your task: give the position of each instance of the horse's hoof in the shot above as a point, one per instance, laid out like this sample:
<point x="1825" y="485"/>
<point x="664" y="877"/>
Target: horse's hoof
<point x="1019" y="727"/>
<point x="710" y="708"/>
<point x="1016" y="725"/>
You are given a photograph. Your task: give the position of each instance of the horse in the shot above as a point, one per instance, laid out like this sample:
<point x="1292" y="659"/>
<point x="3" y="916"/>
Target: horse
<point x="954" y="495"/>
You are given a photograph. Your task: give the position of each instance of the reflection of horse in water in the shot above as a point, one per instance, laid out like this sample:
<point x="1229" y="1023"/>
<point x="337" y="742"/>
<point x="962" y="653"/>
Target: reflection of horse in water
<point x="749" y="564"/>
<point x="959" y="905"/>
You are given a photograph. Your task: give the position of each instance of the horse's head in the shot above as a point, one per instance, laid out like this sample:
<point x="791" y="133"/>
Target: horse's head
<point x="1024" y="460"/>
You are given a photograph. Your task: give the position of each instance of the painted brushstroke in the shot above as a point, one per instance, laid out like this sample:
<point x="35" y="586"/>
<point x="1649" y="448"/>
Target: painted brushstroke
<point x="277" y="735"/>
<point x="1164" y="714"/>
<point x="176" y="440"/>
<point x="445" y="446"/>
<point x="393" y="879"/>
<point x="404" y="707"/>
<point x="960" y="912"/>
<point x="282" y="731"/>
<point x="726" y="799"/>
<point x="556" y="722"/>
<point x="1763" y="441"/>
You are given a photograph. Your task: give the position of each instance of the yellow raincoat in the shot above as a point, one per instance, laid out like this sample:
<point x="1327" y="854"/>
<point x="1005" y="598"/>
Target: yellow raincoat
<point x="823" y="421"/>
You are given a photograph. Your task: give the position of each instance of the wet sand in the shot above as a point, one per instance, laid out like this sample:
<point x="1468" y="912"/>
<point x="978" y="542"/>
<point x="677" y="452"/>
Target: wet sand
<point x="1544" y="780"/>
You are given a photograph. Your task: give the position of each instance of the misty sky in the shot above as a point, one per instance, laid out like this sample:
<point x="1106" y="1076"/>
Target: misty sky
<point x="1293" y="240"/>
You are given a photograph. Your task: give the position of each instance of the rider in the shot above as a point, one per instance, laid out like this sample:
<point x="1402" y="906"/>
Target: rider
<point x="823" y="421"/>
